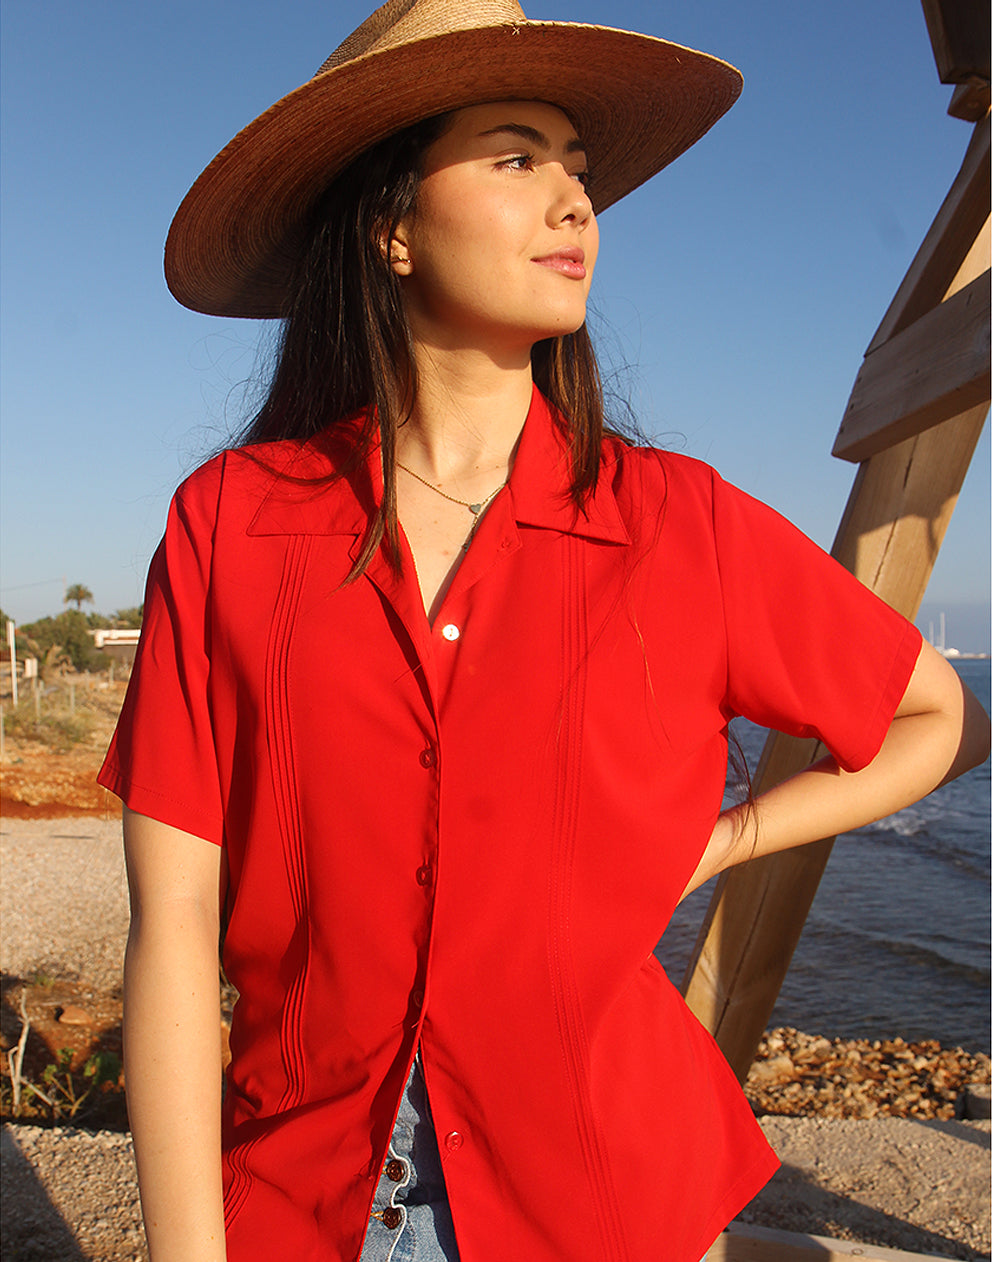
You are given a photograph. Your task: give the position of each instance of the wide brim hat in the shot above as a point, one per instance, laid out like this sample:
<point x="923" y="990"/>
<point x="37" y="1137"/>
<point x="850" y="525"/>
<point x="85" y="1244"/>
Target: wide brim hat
<point x="637" y="102"/>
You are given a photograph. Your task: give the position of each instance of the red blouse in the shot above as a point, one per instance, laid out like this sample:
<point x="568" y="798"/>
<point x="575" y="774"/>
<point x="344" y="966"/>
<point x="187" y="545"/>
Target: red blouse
<point x="471" y="835"/>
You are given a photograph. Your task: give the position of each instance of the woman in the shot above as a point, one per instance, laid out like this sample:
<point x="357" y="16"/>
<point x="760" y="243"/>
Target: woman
<point x="430" y="710"/>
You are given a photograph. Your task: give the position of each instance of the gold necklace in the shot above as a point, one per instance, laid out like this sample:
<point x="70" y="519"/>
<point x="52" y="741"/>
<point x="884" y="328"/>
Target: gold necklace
<point x="475" y="509"/>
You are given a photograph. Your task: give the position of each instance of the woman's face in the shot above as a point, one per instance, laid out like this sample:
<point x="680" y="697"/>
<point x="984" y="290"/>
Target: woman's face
<point x="503" y="240"/>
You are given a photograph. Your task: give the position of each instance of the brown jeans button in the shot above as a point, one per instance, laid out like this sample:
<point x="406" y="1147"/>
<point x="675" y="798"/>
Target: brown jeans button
<point x="396" y="1170"/>
<point x="391" y="1217"/>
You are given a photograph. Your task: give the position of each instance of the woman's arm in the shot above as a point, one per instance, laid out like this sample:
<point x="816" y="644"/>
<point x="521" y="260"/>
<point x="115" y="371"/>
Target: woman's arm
<point x="939" y="732"/>
<point x="172" y="1042"/>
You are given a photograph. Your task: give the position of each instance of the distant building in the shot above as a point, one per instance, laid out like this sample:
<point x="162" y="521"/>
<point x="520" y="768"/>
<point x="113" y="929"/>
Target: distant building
<point x="119" y="643"/>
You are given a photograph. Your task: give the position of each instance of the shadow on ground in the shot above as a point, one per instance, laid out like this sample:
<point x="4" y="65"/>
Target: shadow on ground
<point x="31" y="1228"/>
<point x="792" y="1202"/>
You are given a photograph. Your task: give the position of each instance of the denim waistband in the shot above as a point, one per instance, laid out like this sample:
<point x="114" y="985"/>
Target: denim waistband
<point x="411" y="1217"/>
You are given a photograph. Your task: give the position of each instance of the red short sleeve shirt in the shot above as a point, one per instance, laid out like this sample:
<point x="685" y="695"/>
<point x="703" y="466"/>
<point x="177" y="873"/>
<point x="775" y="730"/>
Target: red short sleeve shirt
<point x="470" y="835"/>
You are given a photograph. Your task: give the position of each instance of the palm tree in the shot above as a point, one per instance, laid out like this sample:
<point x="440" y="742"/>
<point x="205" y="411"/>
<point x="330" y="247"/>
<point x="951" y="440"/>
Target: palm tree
<point x="77" y="594"/>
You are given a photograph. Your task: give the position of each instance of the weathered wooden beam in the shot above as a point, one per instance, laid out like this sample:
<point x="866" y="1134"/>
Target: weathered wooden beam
<point x="970" y="101"/>
<point x="948" y="242"/>
<point x="889" y="537"/>
<point x="936" y="368"/>
<point x="959" y="33"/>
<point x="911" y="377"/>
<point x="744" y="1243"/>
<point x="900" y="507"/>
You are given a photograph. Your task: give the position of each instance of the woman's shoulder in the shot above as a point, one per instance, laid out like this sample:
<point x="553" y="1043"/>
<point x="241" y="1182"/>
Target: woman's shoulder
<point x="644" y="476"/>
<point x="246" y="475"/>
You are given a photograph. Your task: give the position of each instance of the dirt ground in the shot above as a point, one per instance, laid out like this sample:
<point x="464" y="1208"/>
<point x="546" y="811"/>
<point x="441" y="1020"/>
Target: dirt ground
<point x="53" y="746"/>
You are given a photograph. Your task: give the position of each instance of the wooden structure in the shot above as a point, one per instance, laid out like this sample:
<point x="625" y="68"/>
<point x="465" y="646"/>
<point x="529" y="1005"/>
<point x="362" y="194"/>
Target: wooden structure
<point x="757" y="1244"/>
<point x="914" y="417"/>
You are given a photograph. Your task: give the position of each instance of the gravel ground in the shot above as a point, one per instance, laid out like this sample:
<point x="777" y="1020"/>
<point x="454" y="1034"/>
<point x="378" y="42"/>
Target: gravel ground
<point x="63" y="901"/>
<point x="920" y="1186"/>
<point x="70" y="1194"/>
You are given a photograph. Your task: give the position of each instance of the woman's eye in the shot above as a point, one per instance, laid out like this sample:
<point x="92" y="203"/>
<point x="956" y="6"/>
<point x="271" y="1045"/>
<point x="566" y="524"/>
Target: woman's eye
<point x="583" y="177"/>
<point x="519" y="162"/>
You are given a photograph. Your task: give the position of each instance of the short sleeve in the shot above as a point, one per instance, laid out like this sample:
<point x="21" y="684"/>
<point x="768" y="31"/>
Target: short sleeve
<point x="811" y="651"/>
<point x="162" y="761"/>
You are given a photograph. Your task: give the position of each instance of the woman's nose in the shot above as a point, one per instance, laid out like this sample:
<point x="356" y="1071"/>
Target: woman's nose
<point x="572" y="201"/>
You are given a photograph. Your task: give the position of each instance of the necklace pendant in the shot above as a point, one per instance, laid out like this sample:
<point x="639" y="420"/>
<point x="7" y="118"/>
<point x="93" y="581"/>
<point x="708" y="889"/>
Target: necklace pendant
<point x="474" y="509"/>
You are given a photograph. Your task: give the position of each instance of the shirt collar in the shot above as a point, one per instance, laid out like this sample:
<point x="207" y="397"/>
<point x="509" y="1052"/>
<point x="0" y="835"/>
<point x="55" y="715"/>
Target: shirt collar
<point x="541" y="480"/>
<point x="300" y="498"/>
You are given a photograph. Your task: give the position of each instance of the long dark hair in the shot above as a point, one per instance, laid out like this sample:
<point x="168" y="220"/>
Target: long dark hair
<point x="346" y="346"/>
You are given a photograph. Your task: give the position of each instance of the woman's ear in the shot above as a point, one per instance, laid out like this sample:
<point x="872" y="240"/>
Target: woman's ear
<point x="396" y="249"/>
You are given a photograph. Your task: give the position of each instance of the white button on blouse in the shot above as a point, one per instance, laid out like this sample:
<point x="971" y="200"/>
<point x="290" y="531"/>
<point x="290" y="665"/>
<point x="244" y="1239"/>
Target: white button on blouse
<point x="450" y="632"/>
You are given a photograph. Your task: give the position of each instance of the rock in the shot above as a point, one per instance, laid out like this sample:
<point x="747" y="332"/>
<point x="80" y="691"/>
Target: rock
<point x="797" y="1074"/>
<point x="72" y="1015"/>
<point x="776" y="1069"/>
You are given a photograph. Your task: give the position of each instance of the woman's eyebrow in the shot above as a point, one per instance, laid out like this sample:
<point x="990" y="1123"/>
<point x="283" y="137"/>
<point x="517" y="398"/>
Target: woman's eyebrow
<point x="535" y="137"/>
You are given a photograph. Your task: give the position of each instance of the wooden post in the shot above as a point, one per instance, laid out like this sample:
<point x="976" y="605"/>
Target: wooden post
<point x="937" y="368"/>
<point x="889" y="537"/>
<point x="953" y="256"/>
<point x="959" y="34"/>
<point x="744" y="1243"/>
<point x="13" y="660"/>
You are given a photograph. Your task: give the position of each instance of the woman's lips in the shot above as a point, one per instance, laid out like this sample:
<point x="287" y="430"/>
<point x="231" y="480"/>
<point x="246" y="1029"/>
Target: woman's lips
<point x="569" y="262"/>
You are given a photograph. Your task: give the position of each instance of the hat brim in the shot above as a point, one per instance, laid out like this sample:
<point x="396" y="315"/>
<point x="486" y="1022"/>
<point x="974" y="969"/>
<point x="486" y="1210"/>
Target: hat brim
<point x="637" y="102"/>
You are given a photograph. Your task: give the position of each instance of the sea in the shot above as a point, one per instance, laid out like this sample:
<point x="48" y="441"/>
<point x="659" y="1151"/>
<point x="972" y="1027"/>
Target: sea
<point x="898" y="938"/>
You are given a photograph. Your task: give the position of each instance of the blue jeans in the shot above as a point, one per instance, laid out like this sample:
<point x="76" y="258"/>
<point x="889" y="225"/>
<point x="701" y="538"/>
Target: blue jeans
<point x="411" y="1218"/>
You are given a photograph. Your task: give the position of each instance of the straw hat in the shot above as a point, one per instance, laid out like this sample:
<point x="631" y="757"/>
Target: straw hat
<point x="637" y="103"/>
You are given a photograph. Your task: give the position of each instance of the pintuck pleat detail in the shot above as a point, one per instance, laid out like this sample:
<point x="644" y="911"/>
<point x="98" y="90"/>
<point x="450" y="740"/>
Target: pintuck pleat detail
<point x="286" y="793"/>
<point x="239" y="1183"/>
<point x="568" y="1008"/>
<point x="280" y="744"/>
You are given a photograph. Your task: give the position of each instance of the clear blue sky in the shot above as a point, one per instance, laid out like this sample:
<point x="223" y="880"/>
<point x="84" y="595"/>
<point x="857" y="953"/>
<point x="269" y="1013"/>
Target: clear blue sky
<point x="740" y="287"/>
